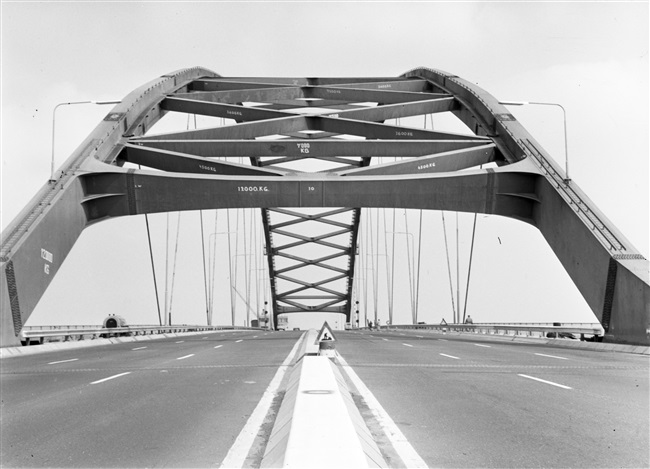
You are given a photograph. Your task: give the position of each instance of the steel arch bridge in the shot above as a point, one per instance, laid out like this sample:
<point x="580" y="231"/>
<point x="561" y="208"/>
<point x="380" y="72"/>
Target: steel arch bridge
<point x="343" y="123"/>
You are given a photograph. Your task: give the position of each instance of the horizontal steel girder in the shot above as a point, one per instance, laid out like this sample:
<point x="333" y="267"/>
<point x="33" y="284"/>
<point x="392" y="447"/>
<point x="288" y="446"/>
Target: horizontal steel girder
<point x="528" y="185"/>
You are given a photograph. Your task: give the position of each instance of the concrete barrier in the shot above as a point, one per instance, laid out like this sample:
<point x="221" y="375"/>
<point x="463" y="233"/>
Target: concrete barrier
<point x="318" y="424"/>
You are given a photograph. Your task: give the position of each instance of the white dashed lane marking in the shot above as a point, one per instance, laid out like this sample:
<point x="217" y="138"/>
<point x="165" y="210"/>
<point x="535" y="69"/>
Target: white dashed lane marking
<point x="449" y="356"/>
<point x="481" y="345"/>
<point x="186" y="356"/>
<point x="551" y="356"/>
<point x="219" y="346"/>
<point x="408" y="345"/>
<point x="64" y="361"/>
<point x="546" y="382"/>
<point x="110" y="377"/>
<point x="139" y="348"/>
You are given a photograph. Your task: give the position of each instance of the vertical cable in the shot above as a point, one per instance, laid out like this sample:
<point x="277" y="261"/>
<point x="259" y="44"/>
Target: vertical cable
<point x="205" y="273"/>
<point x="456" y="318"/>
<point x="246" y="271"/>
<point x="410" y="269"/>
<point x="364" y="262"/>
<point x="469" y="270"/>
<point x="212" y="263"/>
<point x="451" y="285"/>
<point x="232" y="300"/>
<point x="373" y="258"/>
<point x="171" y="296"/>
<point x="388" y="274"/>
<point x="153" y="268"/>
<point x="392" y="273"/>
<point x="166" y="268"/>
<point x="417" y="288"/>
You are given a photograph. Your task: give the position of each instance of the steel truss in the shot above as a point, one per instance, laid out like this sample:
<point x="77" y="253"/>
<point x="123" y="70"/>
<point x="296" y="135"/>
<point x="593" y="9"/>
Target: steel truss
<point x="344" y="127"/>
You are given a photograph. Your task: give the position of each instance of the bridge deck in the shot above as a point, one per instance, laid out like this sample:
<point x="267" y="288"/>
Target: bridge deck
<point x="460" y="401"/>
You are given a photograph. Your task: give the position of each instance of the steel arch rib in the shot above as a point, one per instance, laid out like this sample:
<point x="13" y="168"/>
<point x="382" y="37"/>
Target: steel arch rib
<point x="527" y="185"/>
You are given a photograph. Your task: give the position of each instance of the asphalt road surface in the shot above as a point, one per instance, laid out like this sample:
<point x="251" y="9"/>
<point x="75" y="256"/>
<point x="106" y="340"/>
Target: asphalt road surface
<point x="466" y="402"/>
<point x="182" y="403"/>
<point x="460" y="401"/>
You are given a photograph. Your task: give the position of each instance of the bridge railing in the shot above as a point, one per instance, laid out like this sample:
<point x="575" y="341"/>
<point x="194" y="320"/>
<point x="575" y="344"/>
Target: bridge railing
<point x="563" y="330"/>
<point x="42" y="334"/>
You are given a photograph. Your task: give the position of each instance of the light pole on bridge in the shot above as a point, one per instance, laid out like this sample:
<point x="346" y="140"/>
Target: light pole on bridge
<point x="101" y="103"/>
<point x="567" y="179"/>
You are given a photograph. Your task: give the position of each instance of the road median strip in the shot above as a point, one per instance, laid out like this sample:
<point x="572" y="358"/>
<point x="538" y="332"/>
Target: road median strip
<point x="318" y="423"/>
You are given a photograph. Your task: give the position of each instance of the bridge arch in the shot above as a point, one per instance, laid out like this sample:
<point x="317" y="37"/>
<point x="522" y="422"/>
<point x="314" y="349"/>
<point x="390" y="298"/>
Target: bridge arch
<point x="441" y="170"/>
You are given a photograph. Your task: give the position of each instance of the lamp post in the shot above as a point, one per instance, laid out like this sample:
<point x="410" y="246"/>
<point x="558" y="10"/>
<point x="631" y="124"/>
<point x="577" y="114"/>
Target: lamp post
<point x="567" y="179"/>
<point x="54" y="125"/>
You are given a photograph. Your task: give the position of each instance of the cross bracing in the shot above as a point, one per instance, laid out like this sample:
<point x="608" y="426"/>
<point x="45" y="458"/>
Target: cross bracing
<point x="280" y="124"/>
<point x="311" y="153"/>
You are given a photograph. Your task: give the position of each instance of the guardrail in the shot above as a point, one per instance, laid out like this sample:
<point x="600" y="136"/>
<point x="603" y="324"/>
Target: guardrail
<point x="42" y="334"/>
<point x="582" y="331"/>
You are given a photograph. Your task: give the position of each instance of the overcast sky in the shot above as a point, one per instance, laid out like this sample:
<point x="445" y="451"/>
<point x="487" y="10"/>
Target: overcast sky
<point x="590" y="57"/>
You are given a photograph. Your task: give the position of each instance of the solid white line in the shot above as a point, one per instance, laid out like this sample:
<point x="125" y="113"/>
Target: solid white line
<point x="64" y="361"/>
<point x="240" y="340"/>
<point x="237" y="453"/>
<point x="403" y="448"/>
<point x="111" y="377"/>
<point x="449" y="356"/>
<point x="481" y="345"/>
<point x="218" y="346"/>
<point x="547" y="382"/>
<point x="138" y="348"/>
<point x="551" y="356"/>
<point x="186" y="356"/>
<point x="408" y="345"/>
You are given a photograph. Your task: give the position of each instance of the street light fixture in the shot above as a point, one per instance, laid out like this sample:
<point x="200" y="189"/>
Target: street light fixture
<point x="52" y="180"/>
<point x="567" y="179"/>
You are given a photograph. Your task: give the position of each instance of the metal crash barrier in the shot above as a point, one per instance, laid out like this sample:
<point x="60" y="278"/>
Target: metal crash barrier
<point x="43" y="334"/>
<point x="582" y="331"/>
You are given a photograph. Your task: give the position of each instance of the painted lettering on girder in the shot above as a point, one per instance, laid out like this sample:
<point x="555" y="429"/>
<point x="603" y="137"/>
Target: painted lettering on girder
<point x="234" y="113"/>
<point x="303" y="147"/>
<point x="401" y="133"/>
<point x="49" y="257"/>
<point x="426" y="166"/>
<point x="252" y="189"/>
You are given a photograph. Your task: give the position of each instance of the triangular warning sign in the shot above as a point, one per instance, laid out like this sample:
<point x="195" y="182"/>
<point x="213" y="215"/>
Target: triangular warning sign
<point x="325" y="333"/>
